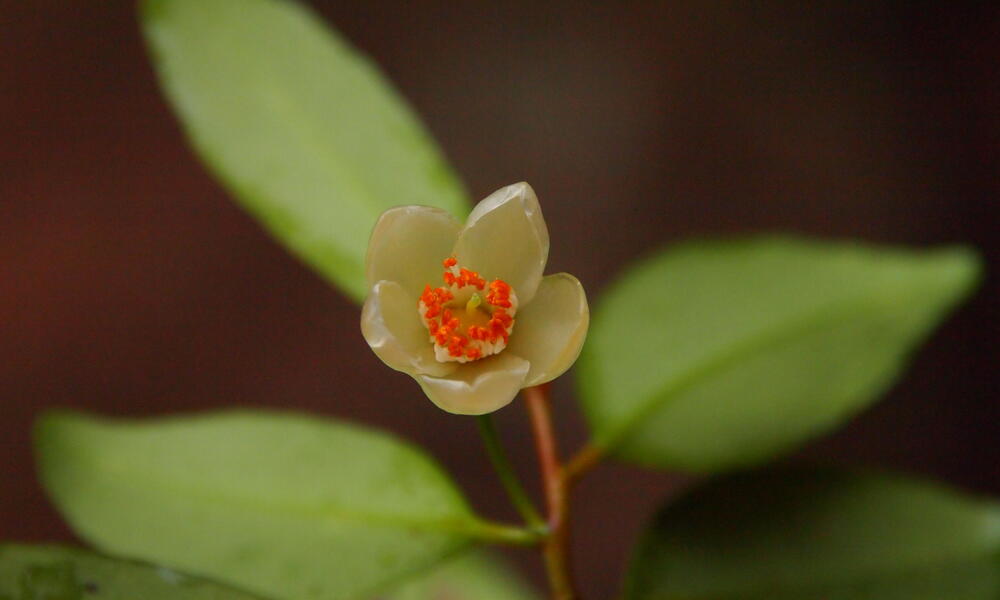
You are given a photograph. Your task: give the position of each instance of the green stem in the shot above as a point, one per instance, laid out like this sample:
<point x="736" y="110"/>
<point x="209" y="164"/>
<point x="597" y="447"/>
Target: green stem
<point x="508" y="477"/>
<point x="500" y="533"/>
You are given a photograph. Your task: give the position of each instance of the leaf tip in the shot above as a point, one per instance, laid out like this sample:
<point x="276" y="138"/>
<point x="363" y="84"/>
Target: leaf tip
<point x="964" y="267"/>
<point x="45" y="423"/>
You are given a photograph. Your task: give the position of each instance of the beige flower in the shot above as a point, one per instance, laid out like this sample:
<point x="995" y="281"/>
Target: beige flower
<point x="465" y="310"/>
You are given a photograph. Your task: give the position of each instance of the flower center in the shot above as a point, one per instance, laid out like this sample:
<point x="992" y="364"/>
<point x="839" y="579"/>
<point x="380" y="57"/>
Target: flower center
<point x="467" y="318"/>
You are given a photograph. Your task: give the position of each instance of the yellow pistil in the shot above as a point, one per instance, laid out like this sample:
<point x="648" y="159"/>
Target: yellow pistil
<point x="474" y="302"/>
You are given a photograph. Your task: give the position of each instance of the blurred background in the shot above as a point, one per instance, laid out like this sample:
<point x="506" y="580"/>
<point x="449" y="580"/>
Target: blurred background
<point x="131" y="285"/>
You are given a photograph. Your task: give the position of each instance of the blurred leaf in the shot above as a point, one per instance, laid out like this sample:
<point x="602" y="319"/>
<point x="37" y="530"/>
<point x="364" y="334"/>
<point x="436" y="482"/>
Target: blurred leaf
<point x="716" y="354"/>
<point x="820" y="535"/>
<point x="305" y="132"/>
<point x="286" y="506"/>
<point x="56" y="573"/>
<point x="473" y="576"/>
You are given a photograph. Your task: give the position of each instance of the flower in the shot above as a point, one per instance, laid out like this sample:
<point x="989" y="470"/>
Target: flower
<point x="465" y="310"/>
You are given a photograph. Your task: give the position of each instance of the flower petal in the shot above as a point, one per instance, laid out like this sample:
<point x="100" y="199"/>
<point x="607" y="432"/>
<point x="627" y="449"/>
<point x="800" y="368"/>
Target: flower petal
<point x="505" y="237"/>
<point x="478" y="387"/>
<point x="408" y="245"/>
<point x="550" y="331"/>
<point x="391" y="325"/>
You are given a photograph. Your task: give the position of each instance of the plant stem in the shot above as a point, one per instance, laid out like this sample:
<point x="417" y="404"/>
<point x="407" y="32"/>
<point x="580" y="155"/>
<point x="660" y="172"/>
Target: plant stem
<point x="556" y="544"/>
<point x="501" y="533"/>
<point x="584" y="460"/>
<point x="508" y="477"/>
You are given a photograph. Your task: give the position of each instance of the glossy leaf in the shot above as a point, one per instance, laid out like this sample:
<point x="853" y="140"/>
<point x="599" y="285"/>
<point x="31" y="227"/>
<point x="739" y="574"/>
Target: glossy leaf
<point x="282" y="505"/>
<point x="716" y="354"/>
<point x="57" y="573"/>
<point x="304" y="131"/>
<point x="473" y="576"/>
<point x="820" y="535"/>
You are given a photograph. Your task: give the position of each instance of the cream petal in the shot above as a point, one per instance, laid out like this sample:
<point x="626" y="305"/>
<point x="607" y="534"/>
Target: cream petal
<point x="550" y="331"/>
<point x="408" y="245"/>
<point x="505" y="237"/>
<point x="391" y="325"/>
<point x="478" y="387"/>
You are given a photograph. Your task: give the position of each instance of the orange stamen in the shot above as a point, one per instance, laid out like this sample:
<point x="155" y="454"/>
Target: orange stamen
<point x="444" y="326"/>
<point x="499" y="294"/>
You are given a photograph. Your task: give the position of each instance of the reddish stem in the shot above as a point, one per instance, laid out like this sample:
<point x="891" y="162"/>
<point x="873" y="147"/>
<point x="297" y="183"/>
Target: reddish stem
<point x="584" y="460"/>
<point x="556" y="546"/>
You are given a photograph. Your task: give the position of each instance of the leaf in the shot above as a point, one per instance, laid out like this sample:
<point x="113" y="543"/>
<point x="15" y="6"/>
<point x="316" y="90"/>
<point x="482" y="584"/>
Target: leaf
<point x="305" y="132"/>
<point x="282" y="505"/>
<point x="718" y="354"/>
<point x="820" y="535"/>
<point x="473" y="576"/>
<point x="57" y="573"/>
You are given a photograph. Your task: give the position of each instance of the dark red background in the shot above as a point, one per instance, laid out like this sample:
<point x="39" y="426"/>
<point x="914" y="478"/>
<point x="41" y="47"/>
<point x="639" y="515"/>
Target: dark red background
<point x="131" y="285"/>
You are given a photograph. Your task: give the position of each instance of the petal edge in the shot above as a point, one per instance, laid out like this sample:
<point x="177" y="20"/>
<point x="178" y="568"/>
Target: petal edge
<point x="408" y="244"/>
<point x="478" y="388"/>
<point x="390" y="323"/>
<point x="506" y="237"/>
<point x="549" y="332"/>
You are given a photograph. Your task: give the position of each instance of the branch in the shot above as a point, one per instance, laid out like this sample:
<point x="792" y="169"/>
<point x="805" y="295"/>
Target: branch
<point x="556" y="546"/>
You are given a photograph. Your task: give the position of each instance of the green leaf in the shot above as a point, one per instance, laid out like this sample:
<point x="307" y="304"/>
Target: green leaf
<point x="304" y="131"/>
<point x="717" y="354"/>
<point x="820" y="535"/>
<point x="473" y="576"/>
<point x="57" y="573"/>
<point x="282" y="505"/>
